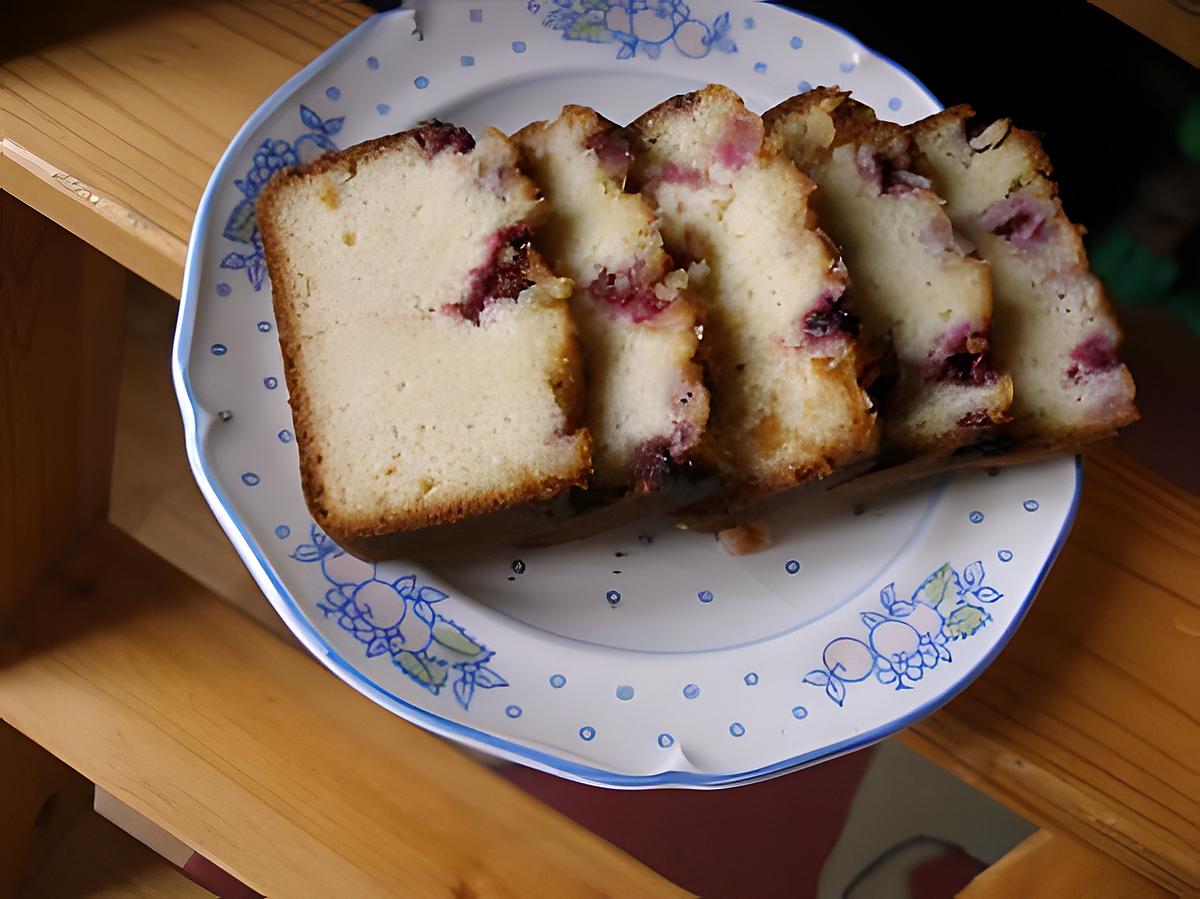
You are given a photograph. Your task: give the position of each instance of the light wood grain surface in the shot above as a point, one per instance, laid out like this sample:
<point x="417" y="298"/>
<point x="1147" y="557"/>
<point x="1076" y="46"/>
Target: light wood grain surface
<point x="115" y="133"/>
<point x="240" y="746"/>
<point x="1051" y="866"/>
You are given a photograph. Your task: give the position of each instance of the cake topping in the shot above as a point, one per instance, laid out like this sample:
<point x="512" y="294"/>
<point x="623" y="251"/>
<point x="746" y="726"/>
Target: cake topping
<point x="1018" y="217"/>
<point x="433" y="137"/>
<point x="630" y="292"/>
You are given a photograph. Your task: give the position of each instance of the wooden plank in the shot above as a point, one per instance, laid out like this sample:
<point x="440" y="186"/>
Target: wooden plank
<point x="240" y="746"/>
<point x="60" y="349"/>
<point x="1089" y="722"/>
<point x="99" y="860"/>
<point x="1174" y="25"/>
<point x="136" y="115"/>
<point x="1050" y="866"/>
<point x="40" y="800"/>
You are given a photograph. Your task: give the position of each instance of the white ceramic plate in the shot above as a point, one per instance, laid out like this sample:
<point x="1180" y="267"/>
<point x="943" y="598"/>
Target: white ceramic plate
<point x="645" y="657"/>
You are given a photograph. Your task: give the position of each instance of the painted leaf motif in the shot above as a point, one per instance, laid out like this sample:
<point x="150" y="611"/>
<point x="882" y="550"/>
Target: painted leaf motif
<point x="464" y="689"/>
<point x="652" y="51"/>
<point x="233" y="260"/>
<point x="306" y="552"/>
<point x="973" y="574"/>
<point x="310" y="119"/>
<point x="902" y="609"/>
<point x="429" y="676"/>
<point x="586" y="29"/>
<point x="255" y="271"/>
<point x="404" y="585"/>
<point x="424" y="611"/>
<point x="836" y="690"/>
<point x="988" y="594"/>
<point x="871" y="619"/>
<point x="487" y="678"/>
<point x="965" y="621"/>
<point x="333" y="126"/>
<point x="455" y="639"/>
<point x="887" y="596"/>
<point x="626" y="51"/>
<point x="240" y="226"/>
<point x="941" y="587"/>
<point x="431" y="594"/>
<point x="377" y="647"/>
<point x="818" y="677"/>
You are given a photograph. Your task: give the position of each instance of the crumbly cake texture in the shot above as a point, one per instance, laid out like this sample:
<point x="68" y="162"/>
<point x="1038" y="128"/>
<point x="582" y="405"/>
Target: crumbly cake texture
<point x="646" y="400"/>
<point x="1053" y="327"/>
<point x="925" y="304"/>
<point x="433" y="368"/>
<point x="780" y="351"/>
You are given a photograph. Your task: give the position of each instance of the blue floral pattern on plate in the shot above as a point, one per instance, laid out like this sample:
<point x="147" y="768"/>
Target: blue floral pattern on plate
<point x="911" y="636"/>
<point x="397" y="618"/>
<point x="644" y="26"/>
<point x="273" y="155"/>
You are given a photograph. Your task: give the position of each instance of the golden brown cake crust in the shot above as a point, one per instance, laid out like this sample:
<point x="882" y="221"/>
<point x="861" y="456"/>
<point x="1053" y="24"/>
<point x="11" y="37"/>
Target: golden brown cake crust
<point x="378" y="536"/>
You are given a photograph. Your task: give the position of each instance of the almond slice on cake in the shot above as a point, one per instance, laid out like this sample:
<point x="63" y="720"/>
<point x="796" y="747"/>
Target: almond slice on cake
<point x="786" y="406"/>
<point x="1053" y="329"/>
<point x="925" y="305"/>
<point x="432" y="364"/>
<point x="646" y="401"/>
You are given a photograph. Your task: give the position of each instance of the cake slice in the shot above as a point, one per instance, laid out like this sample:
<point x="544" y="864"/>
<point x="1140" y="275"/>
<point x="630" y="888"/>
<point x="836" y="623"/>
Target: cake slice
<point x="433" y="368"/>
<point x="781" y="356"/>
<point x="1053" y="327"/>
<point x="646" y="401"/>
<point x="925" y="304"/>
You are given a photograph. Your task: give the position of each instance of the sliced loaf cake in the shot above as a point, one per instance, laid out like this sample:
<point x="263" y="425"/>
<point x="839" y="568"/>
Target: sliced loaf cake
<point x="646" y="401"/>
<point x="781" y="355"/>
<point x="432" y="364"/>
<point x="925" y="305"/>
<point x="1053" y="327"/>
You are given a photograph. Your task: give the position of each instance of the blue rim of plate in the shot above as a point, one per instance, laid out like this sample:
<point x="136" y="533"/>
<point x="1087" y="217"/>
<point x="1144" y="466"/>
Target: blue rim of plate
<point x="268" y="581"/>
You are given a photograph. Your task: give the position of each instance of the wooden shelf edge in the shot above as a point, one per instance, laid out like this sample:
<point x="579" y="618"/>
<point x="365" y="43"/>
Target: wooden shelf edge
<point x="240" y="746"/>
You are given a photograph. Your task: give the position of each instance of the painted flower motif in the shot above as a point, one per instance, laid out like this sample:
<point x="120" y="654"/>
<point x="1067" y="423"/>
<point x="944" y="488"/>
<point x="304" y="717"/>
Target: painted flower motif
<point x="910" y="636"/>
<point x="639" y="26"/>
<point x="272" y="156"/>
<point x="397" y="618"/>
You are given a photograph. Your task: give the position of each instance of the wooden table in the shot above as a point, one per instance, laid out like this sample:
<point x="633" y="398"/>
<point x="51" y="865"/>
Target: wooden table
<point x="115" y="577"/>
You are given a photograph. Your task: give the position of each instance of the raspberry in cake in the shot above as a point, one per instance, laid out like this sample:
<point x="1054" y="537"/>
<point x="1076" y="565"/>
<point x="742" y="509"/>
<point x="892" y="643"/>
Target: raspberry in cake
<point x="1054" y="329"/>
<point x="646" y="401"/>
<point x="780" y="347"/>
<point x="923" y="301"/>
<point x="433" y="368"/>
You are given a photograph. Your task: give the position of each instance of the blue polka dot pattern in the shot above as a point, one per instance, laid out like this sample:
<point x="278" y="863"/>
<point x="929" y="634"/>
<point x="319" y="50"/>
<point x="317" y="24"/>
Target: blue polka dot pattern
<point x="737" y="729"/>
<point x="270" y="383"/>
<point x="283" y="532"/>
<point x="223" y="289"/>
<point x="513" y="711"/>
<point x="250" y="479"/>
<point x="975" y="517"/>
<point x="466" y="61"/>
<point x="1005" y="555"/>
<point x="558" y="681"/>
<point x="848" y="66"/>
<point x="751" y="679"/>
<point x="1031" y="505"/>
<point x="476" y="15"/>
<point x="518" y="46"/>
<point x="804" y="86"/>
<point x="625" y="692"/>
<point x="799" y="712"/>
<point x="285" y="436"/>
<point x="587" y="733"/>
<point x="748" y="23"/>
<point x="666" y="741"/>
<point x="705" y="596"/>
<point x="691" y="691"/>
<point x="760" y="67"/>
<point x="382" y="108"/>
<point x="895" y="103"/>
<point x="265" y="327"/>
<point x="797" y="42"/>
<point x="372" y="63"/>
<point x="219" y="349"/>
<point x="792" y="566"/>
<point x="333" y="93"/>
<point x="613" y="597"/>
<point x="421" y="82"/>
